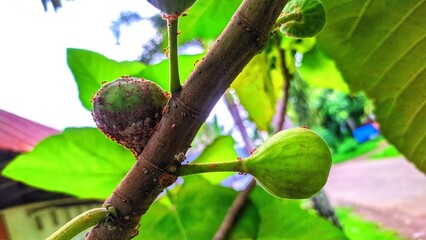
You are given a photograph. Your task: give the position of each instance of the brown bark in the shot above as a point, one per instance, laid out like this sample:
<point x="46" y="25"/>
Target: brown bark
<point x="287" y="78"/>
<point x="245" y="35"/>
<point x="233" y="109"/>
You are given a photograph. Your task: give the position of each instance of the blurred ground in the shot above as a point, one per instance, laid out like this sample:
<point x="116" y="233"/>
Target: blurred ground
<point x="391" y="192"/>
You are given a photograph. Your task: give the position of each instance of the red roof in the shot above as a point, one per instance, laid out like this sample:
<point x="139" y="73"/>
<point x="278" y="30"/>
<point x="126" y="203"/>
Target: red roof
<point x="18" y="134"/>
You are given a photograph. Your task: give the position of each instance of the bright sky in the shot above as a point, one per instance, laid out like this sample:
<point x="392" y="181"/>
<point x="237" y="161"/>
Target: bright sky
<point x="36" y="82"/>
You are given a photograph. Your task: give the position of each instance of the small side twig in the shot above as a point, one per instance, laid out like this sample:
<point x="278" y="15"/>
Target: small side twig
<point x="239" y="201"/>
<point x="323" y="207"/>
<point x="233" y="211"/>
<point x="287" y="78"/>
<point x="233" y="108"/>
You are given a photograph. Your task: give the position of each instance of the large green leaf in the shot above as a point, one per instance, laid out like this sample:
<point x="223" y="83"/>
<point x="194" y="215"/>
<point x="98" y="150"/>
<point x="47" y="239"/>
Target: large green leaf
<point x="285" y="219"/>
<point x="206" y="19"/>
<point x="258" y="87"/>
<point x="161" y="222"/>
<point x="198" y="208"/>
<point x="91" y="69"/>
<point x="80" y="161"/>
<point x="196" y="212"/>
<point x="380" y="46"/>
<point x="220" y="150"/>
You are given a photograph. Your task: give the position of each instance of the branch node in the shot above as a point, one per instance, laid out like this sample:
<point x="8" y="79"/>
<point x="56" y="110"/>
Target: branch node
<point x="261" y="37"/>
<point x="136" y="211"/>
<point x="192" y="112"/>
<point x="151" y="164"/>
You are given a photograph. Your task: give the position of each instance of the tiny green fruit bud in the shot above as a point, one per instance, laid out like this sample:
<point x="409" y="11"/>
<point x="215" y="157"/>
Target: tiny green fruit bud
<point x="311" y="20"/>
<point x="172" y="7"/>
<point x="293" y="163"/>
<point x="128" y="109"/>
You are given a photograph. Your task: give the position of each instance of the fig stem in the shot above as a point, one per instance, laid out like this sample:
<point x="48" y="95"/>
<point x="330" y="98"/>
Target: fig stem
<point x="80" y="223"/>
<point x="172" y="27"/>
<point x="289" y="17"/>
<point x="196" y="168"/>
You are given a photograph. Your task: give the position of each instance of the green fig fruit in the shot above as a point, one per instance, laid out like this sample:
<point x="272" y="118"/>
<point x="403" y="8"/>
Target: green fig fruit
<point x="293" y="163"/>
<point x="128" y="109"/>
<point x="311" y="22"/>
<point x="172" y="7"/>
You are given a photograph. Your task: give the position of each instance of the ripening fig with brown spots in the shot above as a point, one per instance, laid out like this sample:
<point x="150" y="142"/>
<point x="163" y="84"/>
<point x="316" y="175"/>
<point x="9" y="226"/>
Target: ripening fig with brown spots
<point x="128" y="109"/>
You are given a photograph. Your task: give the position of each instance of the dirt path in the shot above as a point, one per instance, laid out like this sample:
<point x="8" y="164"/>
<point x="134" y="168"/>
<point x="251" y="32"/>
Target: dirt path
<point x="391" y="192"/>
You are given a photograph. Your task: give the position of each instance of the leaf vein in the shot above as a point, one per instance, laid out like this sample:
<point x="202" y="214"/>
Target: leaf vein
<point x="411" y="119"/>
<point x="393" y="63"/>
<point x="416" y="146"/>
<point x="404" y="87"/>
<point x="358" y="20"/>
<point x="330" y="24"/>
<point x="390" y="33"/>
<point x="422" y="162"/>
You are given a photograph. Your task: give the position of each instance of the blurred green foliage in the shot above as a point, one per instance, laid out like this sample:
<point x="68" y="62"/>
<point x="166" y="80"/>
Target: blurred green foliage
<point x="348" y="150"/>
<point x="356" y="228"/>
<point x="387" y="152"/>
